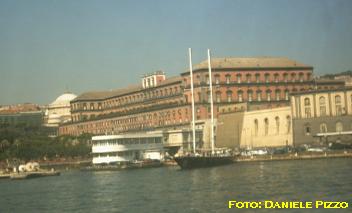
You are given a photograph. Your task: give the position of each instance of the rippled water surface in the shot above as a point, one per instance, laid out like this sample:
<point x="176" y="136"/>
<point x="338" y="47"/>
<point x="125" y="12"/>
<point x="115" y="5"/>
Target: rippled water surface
<point x="170" y="189"/>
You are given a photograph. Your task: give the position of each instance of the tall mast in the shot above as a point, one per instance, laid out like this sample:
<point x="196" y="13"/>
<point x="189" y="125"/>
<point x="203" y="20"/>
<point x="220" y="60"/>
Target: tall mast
<point x="192" y="92"/>
<point x="211" y="105"/>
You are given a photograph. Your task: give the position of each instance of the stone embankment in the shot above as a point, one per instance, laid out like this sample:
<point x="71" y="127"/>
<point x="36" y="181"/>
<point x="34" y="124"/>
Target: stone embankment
<point x="296" y="156"/>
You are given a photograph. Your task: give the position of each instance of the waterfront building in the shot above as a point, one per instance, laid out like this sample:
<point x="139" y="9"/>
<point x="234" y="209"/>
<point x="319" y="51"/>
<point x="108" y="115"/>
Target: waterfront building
<point x="249" y="126"/>
<point x="322" y="116"/>
<point x="112" y="149"/>
<point x="161" y="103"/>
<point x="21" y="114"/>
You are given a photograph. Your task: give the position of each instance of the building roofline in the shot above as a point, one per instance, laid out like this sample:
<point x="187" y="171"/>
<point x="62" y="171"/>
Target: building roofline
<point x="321" y="91"/>
<point x="236" y="69"/>
<point x="125" y="91"/>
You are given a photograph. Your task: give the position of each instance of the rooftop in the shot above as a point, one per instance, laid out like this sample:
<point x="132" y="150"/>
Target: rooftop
<point x="19" y="108"/>
<point x="255" y="62"/>
<point x="101" y="95"/>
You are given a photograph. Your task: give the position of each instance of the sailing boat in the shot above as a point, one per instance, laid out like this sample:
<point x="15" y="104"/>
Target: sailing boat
<point x="198" y="160"/>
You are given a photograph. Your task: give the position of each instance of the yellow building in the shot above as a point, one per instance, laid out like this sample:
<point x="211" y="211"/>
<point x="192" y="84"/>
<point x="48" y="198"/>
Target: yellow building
<point x="322" y="116"/>
<point x="252" y="127"/>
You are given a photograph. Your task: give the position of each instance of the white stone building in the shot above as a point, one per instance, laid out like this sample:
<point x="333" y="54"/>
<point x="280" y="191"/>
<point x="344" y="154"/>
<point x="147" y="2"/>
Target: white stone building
<point x="59" y="111"/>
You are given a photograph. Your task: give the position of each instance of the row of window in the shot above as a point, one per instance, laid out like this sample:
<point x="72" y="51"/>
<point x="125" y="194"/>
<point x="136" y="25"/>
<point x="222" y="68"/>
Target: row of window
<point x="126" y="141"/>
<point x="128" y="99"/>
<point x="248" y="78"/>
<point x="323" y="106"/>
<point x="240" y="95"/>
<point x="323" y="128"/>
<point x="113" y="154"/>
<point x="277" y="126"/>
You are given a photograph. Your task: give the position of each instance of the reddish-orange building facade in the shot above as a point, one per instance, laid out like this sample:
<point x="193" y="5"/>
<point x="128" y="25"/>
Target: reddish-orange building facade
<point x="160" y="103"/>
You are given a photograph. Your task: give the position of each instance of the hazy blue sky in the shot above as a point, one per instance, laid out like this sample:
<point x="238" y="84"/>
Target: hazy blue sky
<point x="47" y="45"/>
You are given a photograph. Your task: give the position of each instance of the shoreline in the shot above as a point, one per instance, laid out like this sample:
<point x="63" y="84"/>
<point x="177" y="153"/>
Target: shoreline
<point x="81" y="163"/>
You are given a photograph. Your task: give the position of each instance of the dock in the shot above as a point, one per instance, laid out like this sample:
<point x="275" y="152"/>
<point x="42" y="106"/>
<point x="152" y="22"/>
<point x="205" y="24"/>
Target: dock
<point x="35" y="174"/>
<point x="291" y="156"/>
<point x="4" y="176"/>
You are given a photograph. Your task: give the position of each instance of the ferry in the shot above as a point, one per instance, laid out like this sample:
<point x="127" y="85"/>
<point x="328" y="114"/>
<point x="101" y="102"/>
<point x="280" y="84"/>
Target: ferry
<point x="126" y="151"/>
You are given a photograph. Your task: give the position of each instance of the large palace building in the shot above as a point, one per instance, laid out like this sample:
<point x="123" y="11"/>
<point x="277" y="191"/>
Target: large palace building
<point x="160" y="103"/>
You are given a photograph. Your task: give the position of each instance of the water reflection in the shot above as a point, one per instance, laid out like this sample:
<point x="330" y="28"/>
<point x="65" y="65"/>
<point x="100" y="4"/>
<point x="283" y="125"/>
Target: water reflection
<point x="170" y="189"/>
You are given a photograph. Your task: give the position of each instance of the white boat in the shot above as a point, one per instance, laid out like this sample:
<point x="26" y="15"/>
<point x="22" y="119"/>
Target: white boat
<point x="126" y="148"/>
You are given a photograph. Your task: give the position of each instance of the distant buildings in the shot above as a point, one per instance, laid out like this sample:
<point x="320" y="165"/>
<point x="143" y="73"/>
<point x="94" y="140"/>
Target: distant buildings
<point x="21" y="114"/>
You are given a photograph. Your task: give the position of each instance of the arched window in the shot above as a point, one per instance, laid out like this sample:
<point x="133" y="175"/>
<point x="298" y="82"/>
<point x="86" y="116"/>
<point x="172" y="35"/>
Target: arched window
<point x="229" y="96"/>
<point x="301" y="77"/>
<point x="207" y="79"/>
<point x="256" y="127"/>
<point x="277" y="94"/>
<point x="276" y="77"/>
<point x="323" y="128"/>
<point x="288" y="124"/>
<point x="287" y="95"/>
<point x="266" y="126"/>
<point x="293" y="77"/>
<point x="218" y="96"/>
<point x="228" y="78"/>
<point x="171" y="92"/>
<point x="239" y="76"/>
<point x="198" y="81"/>
<point x="307" y="108"/>
<point x="307" y="130"/>
<point x="339" y="126"/>
<point x="248" y="78"/>
<point x="217" y="79"/>
<point x="257" y="77"/>
<point x="240" y="96"/>
<point x="250" y="95"/>
<point x="268" y="95"/>
<point x="322" y="106"/>
<point x="338" y="105"/>
<point x="277" y="122"/>
<point x="259" y="95"/>
<point x="285" y="77"/>
<point x="267" y="77"/>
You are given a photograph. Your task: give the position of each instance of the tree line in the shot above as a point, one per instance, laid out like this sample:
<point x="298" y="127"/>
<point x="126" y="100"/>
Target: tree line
<point x="26" y="143"/>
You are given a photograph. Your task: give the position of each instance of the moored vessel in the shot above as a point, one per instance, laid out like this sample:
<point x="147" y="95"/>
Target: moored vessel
<point x="205" y="159"/>
<point x="200" y="161"/>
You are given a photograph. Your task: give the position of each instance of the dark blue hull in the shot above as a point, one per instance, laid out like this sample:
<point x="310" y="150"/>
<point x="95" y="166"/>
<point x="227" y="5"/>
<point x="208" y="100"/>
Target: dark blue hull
<point x="192" y="162"/>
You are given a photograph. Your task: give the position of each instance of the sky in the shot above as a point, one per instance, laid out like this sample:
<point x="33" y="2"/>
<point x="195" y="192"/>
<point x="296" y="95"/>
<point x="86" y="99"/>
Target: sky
<point x="50" y="46"/>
